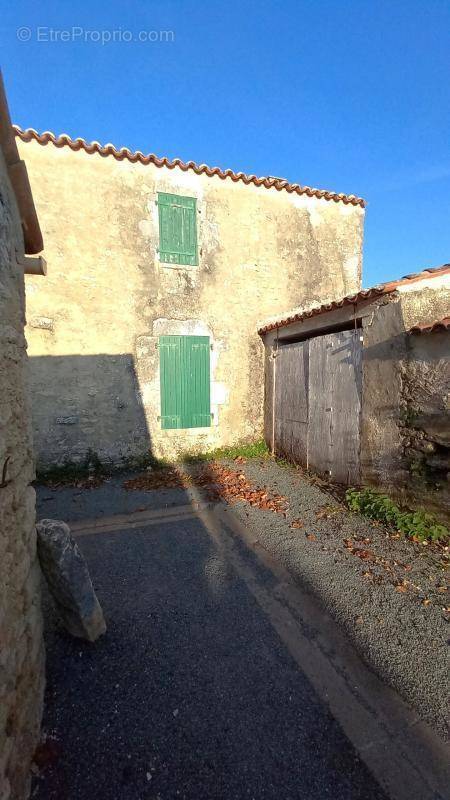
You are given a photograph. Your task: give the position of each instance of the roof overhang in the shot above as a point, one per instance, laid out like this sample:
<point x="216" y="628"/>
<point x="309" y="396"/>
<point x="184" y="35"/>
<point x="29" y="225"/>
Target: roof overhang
<point x="18" y="176"/>
<point x="438" y="326"/>
<point x="415" y="279"/>
<point x="136" y="157"/>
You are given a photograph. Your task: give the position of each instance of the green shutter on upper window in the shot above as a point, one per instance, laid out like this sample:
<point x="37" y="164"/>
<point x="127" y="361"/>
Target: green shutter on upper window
<point x="177" y="229"/>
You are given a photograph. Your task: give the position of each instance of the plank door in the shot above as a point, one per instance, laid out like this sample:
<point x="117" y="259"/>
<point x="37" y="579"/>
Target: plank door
<point x="319" y="433"/>
<point x="291" y="401"/>
<point x="345" y="369"/>
<point x="335" y="382"/>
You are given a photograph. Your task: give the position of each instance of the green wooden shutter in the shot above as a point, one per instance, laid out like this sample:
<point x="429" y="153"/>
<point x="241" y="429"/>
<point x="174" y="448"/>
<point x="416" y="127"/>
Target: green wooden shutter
<point x="185" y="381"/>
<point x="177" y="229"/>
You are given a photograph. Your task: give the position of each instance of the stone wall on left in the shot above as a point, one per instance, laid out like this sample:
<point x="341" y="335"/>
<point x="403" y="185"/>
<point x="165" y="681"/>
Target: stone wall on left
<point x="21" y="640"/>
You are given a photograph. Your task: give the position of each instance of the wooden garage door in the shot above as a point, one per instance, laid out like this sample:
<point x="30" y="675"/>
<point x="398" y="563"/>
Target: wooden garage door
<point x="335" y="405"/>
<point x="291" y="401"/>
<point x="318" y="404"/>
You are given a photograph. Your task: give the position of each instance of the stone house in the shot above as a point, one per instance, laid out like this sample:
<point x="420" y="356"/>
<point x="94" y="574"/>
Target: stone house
<point x="145" y="338"/>
<point x="359" y="388"/>
<point x="21" y="641"/>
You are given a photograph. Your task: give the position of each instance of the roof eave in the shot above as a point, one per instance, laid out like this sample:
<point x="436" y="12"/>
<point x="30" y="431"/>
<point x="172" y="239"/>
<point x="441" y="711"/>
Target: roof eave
<point x="365" y="294"/>
<point x="63" y="140"/>
<point x="18" y="176"/>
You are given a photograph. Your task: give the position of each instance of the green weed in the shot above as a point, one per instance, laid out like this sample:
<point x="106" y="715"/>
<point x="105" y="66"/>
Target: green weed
<point x="414" y="524"/>
<point x="253" y="450"/>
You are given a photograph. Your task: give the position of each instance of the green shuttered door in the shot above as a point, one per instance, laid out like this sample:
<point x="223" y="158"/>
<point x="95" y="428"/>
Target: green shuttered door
<point x="177" y="229"/>
<point x="184" y="381"/>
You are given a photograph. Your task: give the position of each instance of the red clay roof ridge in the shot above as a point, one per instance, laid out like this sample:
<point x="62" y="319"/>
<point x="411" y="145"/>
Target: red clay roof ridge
<point x="280" y="184"/>
<point x="437" y="326"/>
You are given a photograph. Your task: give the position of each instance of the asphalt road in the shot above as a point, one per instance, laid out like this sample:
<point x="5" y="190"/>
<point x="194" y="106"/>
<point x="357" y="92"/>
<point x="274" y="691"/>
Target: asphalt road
<point x="191" y="693"/>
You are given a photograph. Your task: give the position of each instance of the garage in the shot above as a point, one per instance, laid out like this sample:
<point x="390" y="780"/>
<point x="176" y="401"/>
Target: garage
<point x="317" y="403"/>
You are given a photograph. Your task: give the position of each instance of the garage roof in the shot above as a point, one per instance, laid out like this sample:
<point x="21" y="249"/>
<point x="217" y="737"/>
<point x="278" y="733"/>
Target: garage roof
<point x="353" y="299"/>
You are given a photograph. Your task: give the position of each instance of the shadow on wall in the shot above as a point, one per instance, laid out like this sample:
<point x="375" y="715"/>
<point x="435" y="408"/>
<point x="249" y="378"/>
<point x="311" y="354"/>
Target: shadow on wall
<point x="87" y="407"/>
<point x="407" y="385"/>
<point x="426" y="419"/>
<point x="384" y="334"/>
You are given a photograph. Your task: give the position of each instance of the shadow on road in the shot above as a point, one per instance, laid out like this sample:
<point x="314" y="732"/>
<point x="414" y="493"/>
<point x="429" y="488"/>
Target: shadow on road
<point x="191" y="693"/>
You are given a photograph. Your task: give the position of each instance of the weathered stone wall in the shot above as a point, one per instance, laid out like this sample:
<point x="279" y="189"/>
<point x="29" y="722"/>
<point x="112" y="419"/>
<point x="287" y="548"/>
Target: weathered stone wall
<point x="93" y="332"/>
<point x="21" y="644"/>
<point x="425" y="419"/>
<point x="425" y="402"/>
<point x="384" y="350"/>
<point x="406" y="391"/>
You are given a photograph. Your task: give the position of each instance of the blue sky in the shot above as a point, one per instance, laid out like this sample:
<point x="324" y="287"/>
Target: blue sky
<point x="351" y="96"/>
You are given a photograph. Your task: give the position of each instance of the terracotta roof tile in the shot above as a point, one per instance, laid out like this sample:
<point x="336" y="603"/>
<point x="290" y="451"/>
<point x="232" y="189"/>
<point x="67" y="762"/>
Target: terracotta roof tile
<point x="124" y="153"/>
<point x="364" y="294"/>
<point x="435" y="327"/>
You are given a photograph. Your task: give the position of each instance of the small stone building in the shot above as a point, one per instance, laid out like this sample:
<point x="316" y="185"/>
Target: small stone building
<point x="21" y="641"/>
<point x="359" y="389"/>
<point x="145" y="338"/>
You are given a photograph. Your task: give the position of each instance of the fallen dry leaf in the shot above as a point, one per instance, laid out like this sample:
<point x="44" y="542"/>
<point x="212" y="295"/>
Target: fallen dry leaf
<point x="221" y="484"/>
<point x="365" y="555"/>
<point x="426" y="601"/>
<point x="297" y="523"/>
<point x="158" y="479"/>
<point x="328" y="511"/>
<point x="348" y="543"/>
<point x="401" y="588"/>
<point x="47" y="753"/>
<point x="311" y="537"/>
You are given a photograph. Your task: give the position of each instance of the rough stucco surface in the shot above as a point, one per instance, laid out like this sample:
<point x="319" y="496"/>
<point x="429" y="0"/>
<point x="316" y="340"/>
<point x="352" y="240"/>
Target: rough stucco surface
<point x="93" y="331"/>
<point x="21" y="643"/>
<point x="384" y="349"/>
<point x="425" y="401"/>
<point x="406" y="386"/>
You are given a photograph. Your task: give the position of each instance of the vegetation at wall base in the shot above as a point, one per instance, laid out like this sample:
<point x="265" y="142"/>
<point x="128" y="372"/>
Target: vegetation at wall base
<point x="418" y="525"/>
<point x="256" y="449"/>
<point x="71" y="472"/>
<point x="91" y="470"/>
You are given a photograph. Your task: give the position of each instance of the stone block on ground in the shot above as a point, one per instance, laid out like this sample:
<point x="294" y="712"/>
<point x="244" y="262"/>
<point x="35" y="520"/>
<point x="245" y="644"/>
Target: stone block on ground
<point x="69" y="581"/>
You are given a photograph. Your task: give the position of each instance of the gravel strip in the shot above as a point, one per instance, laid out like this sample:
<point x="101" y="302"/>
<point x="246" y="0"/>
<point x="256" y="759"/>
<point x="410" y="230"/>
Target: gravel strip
<point x="387" y="593"/>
